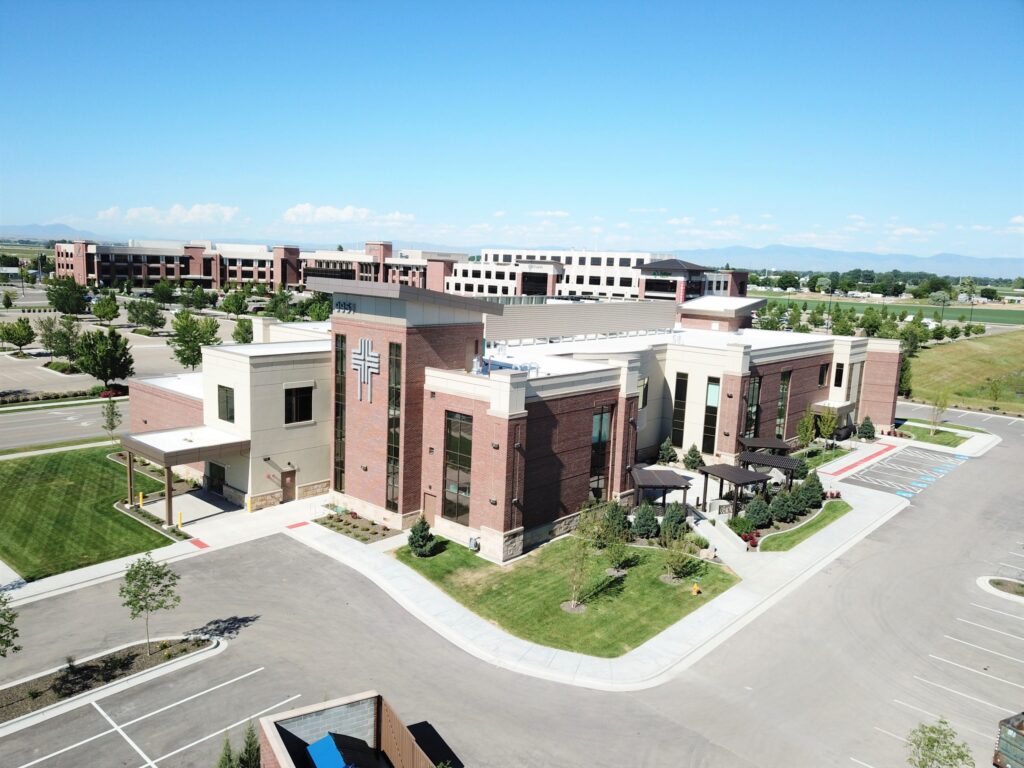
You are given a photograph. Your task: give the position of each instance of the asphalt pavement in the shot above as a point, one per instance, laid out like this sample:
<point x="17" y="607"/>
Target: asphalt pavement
<point x="53" y="425"/>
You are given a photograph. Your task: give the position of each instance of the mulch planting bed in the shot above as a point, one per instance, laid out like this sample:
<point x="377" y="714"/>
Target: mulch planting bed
<point x="74" y="679"/>
<point x="354" y="526"/>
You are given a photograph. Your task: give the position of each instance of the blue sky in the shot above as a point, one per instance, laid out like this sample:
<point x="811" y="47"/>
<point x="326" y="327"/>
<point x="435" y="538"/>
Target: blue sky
<point x="871" y="126"/>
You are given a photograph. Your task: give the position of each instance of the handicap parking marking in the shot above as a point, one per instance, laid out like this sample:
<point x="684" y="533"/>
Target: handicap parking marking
<point x="905" y="494"/>
<point x="926" y="479"/>
<point x="907" y="472"/>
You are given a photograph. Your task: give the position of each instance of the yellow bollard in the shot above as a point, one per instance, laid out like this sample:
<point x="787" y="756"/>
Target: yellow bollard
<point x="695" y="589"/>
<point x="248" y="504"/>
<point x="179" y="518"/>
<point x="140" y="498"/>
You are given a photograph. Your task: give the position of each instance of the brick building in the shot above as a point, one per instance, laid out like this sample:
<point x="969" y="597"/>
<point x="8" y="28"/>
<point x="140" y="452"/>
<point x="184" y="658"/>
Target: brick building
<point x="497" y="422"/>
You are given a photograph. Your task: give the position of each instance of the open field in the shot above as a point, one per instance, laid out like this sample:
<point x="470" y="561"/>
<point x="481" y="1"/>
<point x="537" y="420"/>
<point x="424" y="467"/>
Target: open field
<point x="781" y="542"/>
<point x="981" y="314"/>
<point x="525" y="598"/>
<point x="56" y="513"/>
<point x="964" y="368"/>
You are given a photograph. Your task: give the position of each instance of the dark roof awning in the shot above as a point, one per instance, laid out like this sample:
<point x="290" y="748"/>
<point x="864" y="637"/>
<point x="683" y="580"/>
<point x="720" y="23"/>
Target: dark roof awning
<point x="672" y="265"/>
<point x="769" y="443"/>
<point x="648" y="477"/>
<point x="735" y="475"/>
<point x="785" y="463"/>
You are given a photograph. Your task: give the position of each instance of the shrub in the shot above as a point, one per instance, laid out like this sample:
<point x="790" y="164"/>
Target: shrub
<point x="758" y="513"/>
<point x="812" y="491"/>
<point x="645" y="523"/>
<point x="683" y="565"/>
<point x="666" y="453"/>
<point x="801" y="469"/>
<point x="693" y="458"/>
<point x="421" y="540"/>
<point x="866" y="430"/>
<point x="614" y="526"/>
<point x="697" y="540"/>
<point x="619" y="555"/>
<point x="673" y="523"/>
<point x="798" y="501"/>
<point x="741" y="525"/>
<point x="782" y="508"/>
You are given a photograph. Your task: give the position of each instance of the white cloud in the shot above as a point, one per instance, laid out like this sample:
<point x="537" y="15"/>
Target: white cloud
<point x="550" y="214"/>
<point x="682" y="221"/>
<point x="499" y="214"/>
<point x="980" y="227"/>
<point x="906" y="232"/>
<point x="111" y="213"/>
<point x="622" y="225"/>
<point x="481" y="227"/>
<point x="597" y="230"/>
<point x="307" y="213"/>
<point x="856" y="217"/>
<point x="1018" y="219"/>
<point x="729" y="221"/>
<point x="767" y="216"/>
<point x="597" y="218"/>
<point x="648" y="210"/>
<point x="395" y="217"/>
<point x="176" y="215"/>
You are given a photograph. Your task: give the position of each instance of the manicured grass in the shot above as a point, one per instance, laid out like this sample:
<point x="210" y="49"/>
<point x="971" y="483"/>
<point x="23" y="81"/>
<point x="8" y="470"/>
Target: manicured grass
<point x="963" y="427"/>
<point x="61" y="444"/>
<point x="1010" y="587"/>
<point x="815" y="457"/>
<point x="952" y="313"/>
<point x="56" y="513"/>
<point x="963" y="368"/>
<point x="941" y="436"/>
<point x="525" y="598"/>
<point x="782" y="542"/>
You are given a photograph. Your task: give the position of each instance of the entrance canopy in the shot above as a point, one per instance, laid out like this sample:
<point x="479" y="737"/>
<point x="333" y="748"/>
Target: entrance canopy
<point x="661" y="479"/>
<point x="736" y="476"/>
<point x="765" y="443"/>
<point x="841" y="407"/>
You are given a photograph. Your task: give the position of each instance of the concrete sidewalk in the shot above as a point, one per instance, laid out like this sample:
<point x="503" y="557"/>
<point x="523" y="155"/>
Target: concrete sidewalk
<point x="767" y="578"/>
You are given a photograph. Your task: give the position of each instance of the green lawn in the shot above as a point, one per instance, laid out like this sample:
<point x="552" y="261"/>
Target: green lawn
<point x="964" y="368"/>
<point x="953" y="311"/>
<point x="815" y="457"/>
<point x="782" y="542"/>
<point x="525" y="598"/>
<point x="963" y="427"/>
<point x="61" y="444"/>
<point x="56" y="513"/>
<point x="941" y="436"/>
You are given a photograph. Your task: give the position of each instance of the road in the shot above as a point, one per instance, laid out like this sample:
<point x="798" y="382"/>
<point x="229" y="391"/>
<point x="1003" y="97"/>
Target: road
<point x="893" y="632"/>
<point x="53" y="425"/>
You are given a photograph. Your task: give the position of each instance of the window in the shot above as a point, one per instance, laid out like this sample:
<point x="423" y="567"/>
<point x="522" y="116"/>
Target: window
<point x="609" y="281"/>
<point x="594" y="280"/>
<point x="839" y="375"/>
<point x="780" y="412"/>
<point x="595" y="261"/>
<point x="609" y="262"/>
<point x="642" y="393"/>
<point x="506" y="259"/>
<point x="225" y="403"/>
<point x="568" y="261"/>
<point x="394" y="424"/>
<point x="822" y="374"/>
<point x="600" y="437"/>
<point x="752" y="426"/>
<point x="579" y="279"/>
<point x="339" y="413"/>
<point x="298" y="405"/>
<point x="710" y="416"/>
<point x="500" y="275"/>
<point x="492" y="289"/>
<point x="458" y="463"/>
<point x="623" y="262"/>
<point x="475" y="273"/>
<point x="625" y="282"/>
<point x="679" y="410"/>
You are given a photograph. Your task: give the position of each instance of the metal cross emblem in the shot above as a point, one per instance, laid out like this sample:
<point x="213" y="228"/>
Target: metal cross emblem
<point x="365" y="362"/>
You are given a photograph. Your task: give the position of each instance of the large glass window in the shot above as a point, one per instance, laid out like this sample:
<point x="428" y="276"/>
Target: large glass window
<point x="600" y="439"/>
<point x="298" y="405"/>
<point x="225" y="403"/>
<point x="642" y="393"/>
<point x="780" y="412"/>
<point x="339" y="413"/>
<point x="839" y="375"/>
<point x="458" y="463"/>
<point x="822" y="374"/>
<point x="679" y="410"/>
<point x="753" y="425"/>
<point x="710" y="416"/>
<point x="394" y="423"/>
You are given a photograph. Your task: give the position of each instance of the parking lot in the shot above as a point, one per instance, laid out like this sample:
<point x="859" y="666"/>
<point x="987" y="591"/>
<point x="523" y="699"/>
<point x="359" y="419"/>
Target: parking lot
<point x="907" y="472"/>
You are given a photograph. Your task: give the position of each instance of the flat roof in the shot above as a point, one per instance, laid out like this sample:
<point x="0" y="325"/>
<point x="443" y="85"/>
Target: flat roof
<point x="399" y="292"/>
<point x="270" y="348"/>
<point x="722" y="303"/>
<point x="171" y="447"/>
<point x="774" y="443"/>
<point x="189" y="384"/>
<point x="659" y="477"/>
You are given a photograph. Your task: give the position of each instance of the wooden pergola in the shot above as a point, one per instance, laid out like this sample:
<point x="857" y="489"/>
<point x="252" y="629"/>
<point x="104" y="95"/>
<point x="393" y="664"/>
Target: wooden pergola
<point x="771" y="445"/>
<point x="737" y="477"/>
<point x="786" y="464"/>
<point x="663" y="480"/>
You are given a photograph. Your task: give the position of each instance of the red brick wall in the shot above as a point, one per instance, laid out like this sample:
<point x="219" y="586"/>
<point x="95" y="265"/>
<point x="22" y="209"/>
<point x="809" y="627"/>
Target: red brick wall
<point x="155" y="408"/>
<point x="286" y="266"/>
<point x="558" y="454"/>
<point x="437" y="271"/>
<point x="803" y="391"/>
<point x="730" y="413"/>
<point x="706" y="323"/>
<point x="879" y="389"/>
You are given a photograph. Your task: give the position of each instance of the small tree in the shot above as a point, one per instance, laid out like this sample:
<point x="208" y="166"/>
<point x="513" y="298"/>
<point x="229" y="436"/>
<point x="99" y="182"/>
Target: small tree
<point x="805" y="429"/>
<point x="149" y="587"/>
<point x="645" y="523"/>
<point x="683" y="565"/>
<point x="105" y="356"/>
<point x="234" y="303"/>
<point x="20" y="333"/>
<point x="993" y="387"/>
<point x="866" y="430"/>
<point x="249" y="757"/>
<point x="693" y="458"/>
<point x="8" y="627"/>
<point x="66" y="296"/>
<point x="758" y="513"/>
<point x="580" y="552"/>
<point x="105" y="309"/>
<point x="111" y="417"/>
<point x="421" y="540"/>
<point x="146" y="313"/>
<point x="812" y="490"/>
<point x="47" y="328"/>
<point x="8" y="300"/>
<point x="189" y="335"/>
<point x="782" y="508"/>
<point x="827" y="423"/>
<point x="163" y="292"/>
<point x="227" y="757"/>
<point x="940" y="402"/>
<point x="613" y="525"/>
<point x="667" y="453"/>
<point x="673" y="523"/>
<point x="243" y="331"/>
<point x="936" y="746"/>
<point x="618" y="554"/>
<point x="65" y="339"/>
<point x="801" y="469"/>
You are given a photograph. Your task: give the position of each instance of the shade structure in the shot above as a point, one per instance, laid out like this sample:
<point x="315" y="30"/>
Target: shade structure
<point x="786" y="464"/>
<point x="738" y="477"/>
<point x="658" y="478"/>
<point x="765" y="443"/>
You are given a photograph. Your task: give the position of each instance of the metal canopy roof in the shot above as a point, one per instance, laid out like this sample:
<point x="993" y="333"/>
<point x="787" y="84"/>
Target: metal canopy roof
<point x="771" y="443"/>
<point x="649" y="477"/>
<point x="733" y="474"/>
<point x="787" y="463"/>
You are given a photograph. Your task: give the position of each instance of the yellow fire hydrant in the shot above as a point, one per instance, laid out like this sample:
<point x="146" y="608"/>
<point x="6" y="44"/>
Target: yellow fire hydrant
<point x="695" y="589"/>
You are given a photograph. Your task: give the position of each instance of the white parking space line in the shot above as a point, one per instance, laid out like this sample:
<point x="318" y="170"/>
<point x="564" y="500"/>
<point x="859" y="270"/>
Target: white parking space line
<point x="982" y="648"/>
<point x="1015" y="554"/>
<point x="1001" y="613"/>
<point x="890" y="733"/>
<point x="966" y="696"/>
<point x="932" y="715"/>
<point x="861" y="762"/>
<point x="149" y="763"/>
<point x="975" y="671"/>
<point x="991" y="629"/>
<point x="179" y="750"/>
<point x="67" y="748"/>
<point x="988" y="419"/>
<point x="1015" y="567"/>
<point x="193" y="696"/>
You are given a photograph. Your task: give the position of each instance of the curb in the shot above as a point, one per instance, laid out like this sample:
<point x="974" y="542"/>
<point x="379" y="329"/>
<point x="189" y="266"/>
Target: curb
<point x="96" y="694"/>
<point x="982" y="581"/>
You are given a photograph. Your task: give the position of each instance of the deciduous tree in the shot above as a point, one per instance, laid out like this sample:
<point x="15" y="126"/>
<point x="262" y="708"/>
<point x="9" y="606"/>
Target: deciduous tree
<point x="243" y="331"/>
<point x="936" y="746"/>
<point x="105" y="308"/>
<point x="111" y="417"/>
<point x="8" y="626"/>
<point x="189" y="334"/>
<point x="234" y="303"/>
<point x="66" y="296"/>
<point x="19" y="333"/>
<point x="149" y="587"/>
<point x="105" y="356"/>
<point x="827" y="422"/>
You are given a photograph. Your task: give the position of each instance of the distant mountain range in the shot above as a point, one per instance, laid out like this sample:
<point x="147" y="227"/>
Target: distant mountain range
<point x="777" y="257"/>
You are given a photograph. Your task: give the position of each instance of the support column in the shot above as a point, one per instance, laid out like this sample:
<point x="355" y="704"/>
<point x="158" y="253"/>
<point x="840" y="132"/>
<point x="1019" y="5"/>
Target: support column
<point x="705" y="507"/>
<point x="168" y="490"/>
<point x="131" y="478"/>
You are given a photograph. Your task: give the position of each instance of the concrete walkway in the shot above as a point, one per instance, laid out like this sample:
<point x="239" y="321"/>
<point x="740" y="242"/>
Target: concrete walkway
<point x="767" y="578"/>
